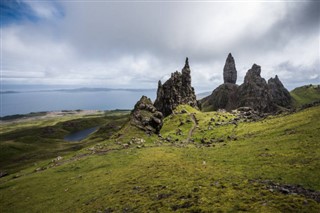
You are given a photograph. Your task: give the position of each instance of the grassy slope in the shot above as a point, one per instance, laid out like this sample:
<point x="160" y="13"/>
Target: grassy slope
<point x="187" y="177"/>
<point x="305" y="94"/>
<point x="26" y="142"/>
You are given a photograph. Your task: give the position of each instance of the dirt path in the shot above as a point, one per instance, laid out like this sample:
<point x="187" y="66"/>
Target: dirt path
<point x="193" y="118"/>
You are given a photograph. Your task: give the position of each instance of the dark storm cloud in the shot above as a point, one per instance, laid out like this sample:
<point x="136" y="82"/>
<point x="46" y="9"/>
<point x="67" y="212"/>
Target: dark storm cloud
<point x="301" y="20"/>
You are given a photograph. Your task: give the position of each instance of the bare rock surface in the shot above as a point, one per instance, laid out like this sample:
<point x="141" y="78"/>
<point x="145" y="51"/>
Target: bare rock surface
<point x="255" y="92"/>
<point x="279" y="93"/>
<point x="223" y="97"/>
<point x="146" y="117"/>
<point x="229" y="70"/>
<point x="175" y="91"/>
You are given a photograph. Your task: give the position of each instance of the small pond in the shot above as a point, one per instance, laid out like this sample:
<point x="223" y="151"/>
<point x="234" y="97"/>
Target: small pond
<point x="80" y="135"/>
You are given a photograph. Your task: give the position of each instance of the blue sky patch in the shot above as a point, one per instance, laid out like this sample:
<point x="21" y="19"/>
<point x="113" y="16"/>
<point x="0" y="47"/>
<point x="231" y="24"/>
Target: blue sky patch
<point x="13" y="11"/>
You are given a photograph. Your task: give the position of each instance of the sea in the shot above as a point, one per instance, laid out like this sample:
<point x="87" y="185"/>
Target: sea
<point x="21" y="100"/>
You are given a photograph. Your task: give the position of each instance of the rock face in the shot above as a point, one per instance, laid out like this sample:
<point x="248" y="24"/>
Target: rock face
<point x="279" y="93"/>
<point x="175" y="91"/>
<point x="229" y="70"/>
<point x="223" y="97"/>
<point x="254" y="92"/>
<point x="146" y="117"/>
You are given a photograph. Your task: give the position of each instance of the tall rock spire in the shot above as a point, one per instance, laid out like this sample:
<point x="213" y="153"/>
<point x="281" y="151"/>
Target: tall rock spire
<point x="186" y="65"/>
<point x="255" y="92"/>
<point x="229" y="70"/>
<point x="175" y="91"/>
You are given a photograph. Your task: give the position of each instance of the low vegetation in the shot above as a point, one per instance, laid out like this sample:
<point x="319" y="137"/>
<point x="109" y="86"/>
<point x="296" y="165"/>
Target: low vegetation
<point x="305" y="95"/>
<point x="26" y="142"/>
<point x="200" y="162"/>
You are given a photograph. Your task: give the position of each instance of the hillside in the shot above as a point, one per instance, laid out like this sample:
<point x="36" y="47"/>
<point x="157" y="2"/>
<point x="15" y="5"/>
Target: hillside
<point x="30" y="139"/>
<point x="305" y="94"/>
<point x="201" y="162"/>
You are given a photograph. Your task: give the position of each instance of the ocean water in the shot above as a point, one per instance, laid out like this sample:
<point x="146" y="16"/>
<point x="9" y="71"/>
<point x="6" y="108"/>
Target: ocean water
<point x="38" y="101"/>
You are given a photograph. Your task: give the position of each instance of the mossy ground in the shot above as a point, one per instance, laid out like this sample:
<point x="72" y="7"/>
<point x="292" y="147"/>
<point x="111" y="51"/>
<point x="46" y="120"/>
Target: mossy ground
<point x="180" y="175"/>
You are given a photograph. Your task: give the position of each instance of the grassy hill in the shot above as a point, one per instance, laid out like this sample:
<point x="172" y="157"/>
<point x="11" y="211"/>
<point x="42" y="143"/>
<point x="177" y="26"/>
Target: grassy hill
<point x="305" y="94"/>
<point x="272" y="165"/>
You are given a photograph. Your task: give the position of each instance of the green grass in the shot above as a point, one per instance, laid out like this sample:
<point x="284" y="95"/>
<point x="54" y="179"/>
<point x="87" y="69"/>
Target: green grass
<point x="165" y="176"/>
<point x="26" y="142"/>
<point x="305" y="95"/>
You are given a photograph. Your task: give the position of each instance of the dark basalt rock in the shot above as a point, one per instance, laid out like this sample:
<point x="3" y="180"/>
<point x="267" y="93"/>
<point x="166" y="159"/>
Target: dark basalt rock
<point x="279" y="93"/>
<point x="175" y="91"/>
<point x="254" y="92"/>
<point x="229" y="70"/>
<point x="146" y="117"/>
<point x="223" y="97"/>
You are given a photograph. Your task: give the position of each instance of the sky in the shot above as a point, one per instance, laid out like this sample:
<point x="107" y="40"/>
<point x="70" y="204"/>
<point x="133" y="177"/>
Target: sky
<point x="133" y="44"/>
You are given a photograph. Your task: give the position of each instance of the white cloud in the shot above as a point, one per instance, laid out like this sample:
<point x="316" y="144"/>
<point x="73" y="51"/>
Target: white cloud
<point x="125" y="44"/>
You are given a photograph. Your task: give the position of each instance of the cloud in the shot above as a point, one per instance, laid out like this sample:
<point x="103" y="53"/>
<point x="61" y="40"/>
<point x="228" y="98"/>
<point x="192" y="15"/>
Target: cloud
<point x="134" y="44"/>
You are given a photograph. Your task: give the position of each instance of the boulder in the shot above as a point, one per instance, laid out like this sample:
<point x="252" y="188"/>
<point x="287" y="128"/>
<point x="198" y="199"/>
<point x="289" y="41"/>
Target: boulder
<point x="146" y="117"/>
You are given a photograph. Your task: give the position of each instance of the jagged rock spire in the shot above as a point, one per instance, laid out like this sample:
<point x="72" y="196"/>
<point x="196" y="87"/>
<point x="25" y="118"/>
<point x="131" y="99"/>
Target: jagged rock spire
<point x="253" y="75"/>
<point x="255" y="92"/>
<point x="279" y="93"/>
<point x="229" y="70"/>
<point x="175" y="91"/>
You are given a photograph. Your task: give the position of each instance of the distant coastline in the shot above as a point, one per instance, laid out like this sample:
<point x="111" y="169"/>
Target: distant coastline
<point x="82" y="89"/>
<point x="20" y="102"/>
<point x="46" y="114"/>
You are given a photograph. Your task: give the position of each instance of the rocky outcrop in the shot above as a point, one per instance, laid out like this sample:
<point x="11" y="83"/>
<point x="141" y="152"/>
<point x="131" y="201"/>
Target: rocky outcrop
<point x="223" y="97"/>
<point x="175" y="91"/>
<point x="254" y="92"/>
<point x="229" y="70"/>
<point x="280" y="95"/>
<point x="146" y="117"/>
